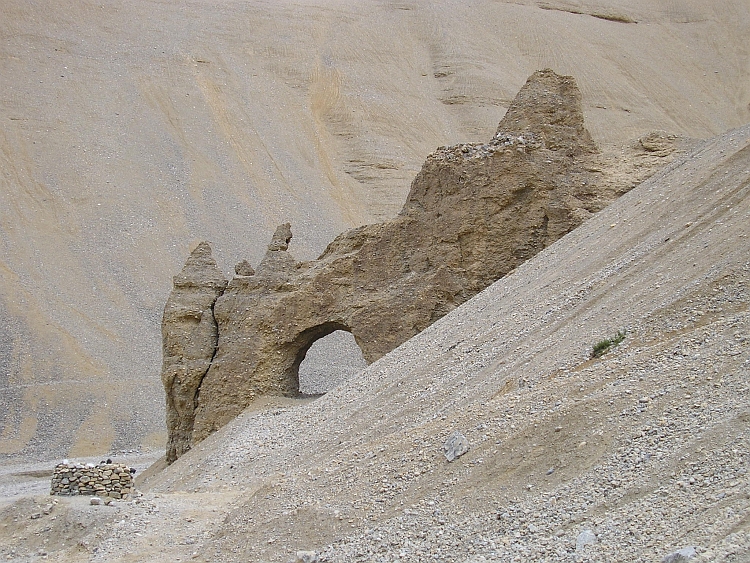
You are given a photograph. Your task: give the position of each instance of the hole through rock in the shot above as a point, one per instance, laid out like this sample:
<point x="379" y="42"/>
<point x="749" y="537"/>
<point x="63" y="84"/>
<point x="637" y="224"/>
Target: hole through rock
<point x="331" y="360"/>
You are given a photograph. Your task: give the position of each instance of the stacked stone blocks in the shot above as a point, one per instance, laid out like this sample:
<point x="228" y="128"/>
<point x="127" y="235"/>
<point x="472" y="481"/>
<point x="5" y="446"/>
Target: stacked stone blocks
<point x="104" y="479"/>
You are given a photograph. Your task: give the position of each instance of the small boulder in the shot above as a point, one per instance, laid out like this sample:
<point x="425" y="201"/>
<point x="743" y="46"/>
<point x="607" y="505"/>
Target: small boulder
<point x="96" y="501"/>
<point x="587" y="537"/>
<point x="307" y="557"/>
<point x="455" y="446"/>
<point x="684" y="554"/>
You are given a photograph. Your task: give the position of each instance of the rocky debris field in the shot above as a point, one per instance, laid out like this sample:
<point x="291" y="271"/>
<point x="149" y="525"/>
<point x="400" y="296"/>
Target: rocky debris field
<point x="673" y="473"/>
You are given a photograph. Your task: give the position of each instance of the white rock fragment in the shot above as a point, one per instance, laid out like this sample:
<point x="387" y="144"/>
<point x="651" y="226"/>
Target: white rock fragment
<point x="455" y="446"/>
<point x="684" y="554"/>
<point x="587" y="537"/>
<point x="96" y="501"/>
<point x="307" y="557"/>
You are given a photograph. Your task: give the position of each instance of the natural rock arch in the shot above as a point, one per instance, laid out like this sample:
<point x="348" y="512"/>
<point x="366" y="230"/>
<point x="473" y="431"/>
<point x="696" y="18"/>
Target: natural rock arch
<point x="330" y="361"/>
<point x="474" y="213"/>
<point x="307" y="339"/>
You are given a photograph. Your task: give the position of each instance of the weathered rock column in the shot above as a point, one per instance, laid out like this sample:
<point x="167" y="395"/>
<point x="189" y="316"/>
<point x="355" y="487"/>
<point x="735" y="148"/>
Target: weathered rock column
<point x="189" y="343"/>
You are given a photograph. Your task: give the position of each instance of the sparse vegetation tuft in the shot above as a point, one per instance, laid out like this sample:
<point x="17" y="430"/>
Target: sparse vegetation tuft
<point x="602" y="347"/>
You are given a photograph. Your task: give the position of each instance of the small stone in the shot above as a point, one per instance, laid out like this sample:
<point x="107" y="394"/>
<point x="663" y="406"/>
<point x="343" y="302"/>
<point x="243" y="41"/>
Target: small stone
<point x="455" y="446"/>
<point x="684" y="554"/>
<point x="96" y="501"/>
<point x="307" y="557"/>
<point x="587" y="537"/>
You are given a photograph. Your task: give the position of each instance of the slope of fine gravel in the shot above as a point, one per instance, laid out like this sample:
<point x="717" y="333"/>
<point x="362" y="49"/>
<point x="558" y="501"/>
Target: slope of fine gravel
<point x="131" y="130"/>
<point x="627" y="457"/>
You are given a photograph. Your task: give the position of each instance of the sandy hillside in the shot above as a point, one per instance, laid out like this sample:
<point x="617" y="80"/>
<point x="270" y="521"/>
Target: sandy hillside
<point x="629" y="456"/>
<point x="132" y="130"/>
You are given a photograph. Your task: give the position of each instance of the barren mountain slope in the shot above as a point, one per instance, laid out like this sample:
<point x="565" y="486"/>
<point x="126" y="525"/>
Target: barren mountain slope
<point x="646" y="446"/>
<point x="130" y="130"/>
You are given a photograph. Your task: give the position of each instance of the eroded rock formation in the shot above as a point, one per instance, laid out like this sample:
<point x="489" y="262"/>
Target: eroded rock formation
<point x="474" y="213"/>
<point x="189" y="336"/>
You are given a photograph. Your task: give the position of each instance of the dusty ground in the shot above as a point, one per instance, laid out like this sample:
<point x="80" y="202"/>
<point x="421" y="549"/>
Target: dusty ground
<point x="131" y="130"/>
<point x="626" y="457"/>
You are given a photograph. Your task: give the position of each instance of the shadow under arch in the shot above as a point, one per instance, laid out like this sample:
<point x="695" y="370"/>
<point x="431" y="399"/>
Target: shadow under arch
<point x="305" y="341"/>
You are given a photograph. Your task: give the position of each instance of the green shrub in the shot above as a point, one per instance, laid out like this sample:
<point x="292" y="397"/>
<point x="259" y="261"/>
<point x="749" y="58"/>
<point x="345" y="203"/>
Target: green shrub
<point x="601" y="348"/>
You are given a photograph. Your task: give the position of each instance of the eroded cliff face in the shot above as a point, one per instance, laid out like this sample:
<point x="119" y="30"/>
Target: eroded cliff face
<point x="474" y="213"/>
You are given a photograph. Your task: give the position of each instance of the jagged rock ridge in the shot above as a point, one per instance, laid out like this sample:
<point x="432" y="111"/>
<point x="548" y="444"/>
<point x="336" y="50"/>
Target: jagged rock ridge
<point x="474" y="213"/>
